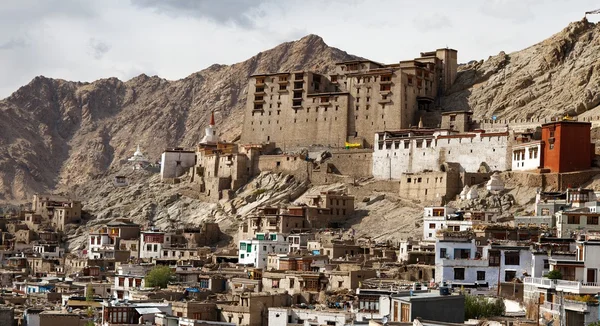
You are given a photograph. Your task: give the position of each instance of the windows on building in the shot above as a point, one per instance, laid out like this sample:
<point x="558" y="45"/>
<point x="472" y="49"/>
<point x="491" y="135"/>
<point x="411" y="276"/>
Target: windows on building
<point x="459" y="273"/>
<point x="494" y="258"/>
<point x="511" y="258"/>
<point x="481" y="275"/>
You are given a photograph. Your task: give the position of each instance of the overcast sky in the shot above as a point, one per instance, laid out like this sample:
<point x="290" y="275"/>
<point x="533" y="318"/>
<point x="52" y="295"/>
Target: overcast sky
<point x="85" y="40"/>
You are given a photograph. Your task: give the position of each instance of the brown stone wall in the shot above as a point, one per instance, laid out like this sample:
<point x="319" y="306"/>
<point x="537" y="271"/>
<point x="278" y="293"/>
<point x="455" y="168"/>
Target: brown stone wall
<point x="352" y="162"/>
<point x="552" y="181"/>
<point x="271" y="116"/>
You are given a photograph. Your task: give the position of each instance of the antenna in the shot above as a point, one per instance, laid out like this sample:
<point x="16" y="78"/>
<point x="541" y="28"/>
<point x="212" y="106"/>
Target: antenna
<point x="593" y="12"/>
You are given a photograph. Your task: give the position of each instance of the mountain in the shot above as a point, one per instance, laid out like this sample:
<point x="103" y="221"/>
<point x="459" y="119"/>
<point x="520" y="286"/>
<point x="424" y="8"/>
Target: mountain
<point x="560" y="75"/>
<point x="57" y="134"/>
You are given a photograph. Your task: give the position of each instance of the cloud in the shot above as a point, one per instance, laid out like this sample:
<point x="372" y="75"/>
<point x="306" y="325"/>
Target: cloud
<point x="238" y="12"/>
<point x="432" y="22"/>
<point x="13" y="43"/>
<point x="98" y="48"/>
<point x="514" y="11"/>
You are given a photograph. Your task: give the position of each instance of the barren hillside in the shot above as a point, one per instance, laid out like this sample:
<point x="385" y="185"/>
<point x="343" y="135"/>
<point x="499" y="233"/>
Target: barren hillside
<point x="58" y="134"/>
<point x="557" y="76"/>
<point x="61" y="133"/>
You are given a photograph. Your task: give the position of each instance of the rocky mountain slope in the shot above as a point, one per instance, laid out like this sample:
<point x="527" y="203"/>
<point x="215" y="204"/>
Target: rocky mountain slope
<point x="56" y="133"/>
<point x="560" y="75"/>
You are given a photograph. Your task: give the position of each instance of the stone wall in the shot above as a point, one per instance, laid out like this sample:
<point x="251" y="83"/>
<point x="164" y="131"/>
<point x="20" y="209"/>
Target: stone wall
<point x="355" y="162"/>
<point x="472" y="151"/>
<point x="551" y="181"/>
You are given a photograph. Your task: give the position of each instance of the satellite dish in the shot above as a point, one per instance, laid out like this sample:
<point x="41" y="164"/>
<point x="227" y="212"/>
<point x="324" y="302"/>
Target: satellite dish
<point x="384" y="320"/>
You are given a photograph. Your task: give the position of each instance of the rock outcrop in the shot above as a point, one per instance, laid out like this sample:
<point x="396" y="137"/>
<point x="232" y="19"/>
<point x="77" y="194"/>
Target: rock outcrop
<point x="558" y="76"/>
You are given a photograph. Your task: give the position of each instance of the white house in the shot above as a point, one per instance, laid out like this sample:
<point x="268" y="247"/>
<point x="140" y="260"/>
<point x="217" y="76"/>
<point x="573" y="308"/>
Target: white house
<point x="129" y="277"/>
<point x="443" y="217"/>
<point x="97" y="243"/>
<point x="308" y="317"/>
<point x="256" y="251"/>
<point x="527" y="156"/>
<point x="458" y="262"/>
<point x="152" y="244"/>
<point x="559" y="298"/>
<point x="48" y="250"/>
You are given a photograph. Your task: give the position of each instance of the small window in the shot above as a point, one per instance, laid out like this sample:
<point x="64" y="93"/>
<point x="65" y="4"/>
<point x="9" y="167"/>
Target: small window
<point x="481" y="275"/>
<point x="459" y="273"/>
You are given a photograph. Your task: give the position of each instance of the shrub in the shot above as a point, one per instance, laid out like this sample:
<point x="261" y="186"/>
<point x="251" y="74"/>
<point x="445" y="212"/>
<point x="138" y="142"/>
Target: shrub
<point x="554" y="274"/>
<point x="259" y="191"/>
<point x="581" y="298"/>
<point x="159" y="276"/>
<point x="477" y="307"/>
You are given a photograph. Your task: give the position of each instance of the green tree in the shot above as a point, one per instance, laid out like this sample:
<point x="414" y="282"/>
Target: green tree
<point x="159" y="276"/>
<point x="554" y="274"/>
<point x="477" y="307"/>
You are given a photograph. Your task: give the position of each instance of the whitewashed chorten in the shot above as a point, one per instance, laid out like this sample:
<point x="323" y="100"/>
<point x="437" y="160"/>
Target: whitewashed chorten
<point x="210" y="134"/>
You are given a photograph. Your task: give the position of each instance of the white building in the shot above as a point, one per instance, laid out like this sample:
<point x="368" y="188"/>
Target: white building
<point x="48" y="250"/>
<point x="175" y="163"/>
<point x="527" y="156"/>
<point x="458" y="262"/>
<point x="443" y="217"/>
<point x="308" y="317"/>
<point x="576" y="221"/>
<point x="256" y="251"/>
<point x="152" y="244"/>
<point x="418" y="150"/>
<point x="129" y="278"/>
<point x="563" y="299"/>
<point x="98" y="243"/>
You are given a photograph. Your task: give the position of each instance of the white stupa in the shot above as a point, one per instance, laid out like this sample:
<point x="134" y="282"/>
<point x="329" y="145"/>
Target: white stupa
<point x="138" y="159"/>
<point x="495" y="183"/>
<point x="464" y="192"/>
<point x="210" y="134"/>
<point x="473" y="194"/>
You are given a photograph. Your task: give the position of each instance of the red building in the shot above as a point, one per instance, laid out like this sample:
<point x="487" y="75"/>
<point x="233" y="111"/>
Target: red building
<point x="567" y="146"/>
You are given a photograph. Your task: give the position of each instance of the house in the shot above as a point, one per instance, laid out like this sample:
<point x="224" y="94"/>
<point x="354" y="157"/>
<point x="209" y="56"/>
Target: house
<point x="569" y="301"/>
<point x="152" y="243"/>
<point x="299" y="316"/>
<point x="129" y="277"/>
<point x="294" y="282"/>
<point x="125" y="313"/>
<point x="195" y="310"/>
<point x="348" y="276"/>
<point x="459" y="262"/>
<point x="436" y="306"/>
<point x="252" y="309"/>
<point x="256" y="251"/>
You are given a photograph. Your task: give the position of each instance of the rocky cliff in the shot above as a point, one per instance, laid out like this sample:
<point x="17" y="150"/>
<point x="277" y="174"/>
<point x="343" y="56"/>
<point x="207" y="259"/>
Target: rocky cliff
<point x="560" y="75"/>
<point x="57" y="134"/>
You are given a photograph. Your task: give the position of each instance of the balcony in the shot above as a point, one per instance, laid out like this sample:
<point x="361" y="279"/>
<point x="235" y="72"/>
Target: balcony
<point x="551" y="307"/>
<point x="540" y="282"/>
<point x="578" y="287"/>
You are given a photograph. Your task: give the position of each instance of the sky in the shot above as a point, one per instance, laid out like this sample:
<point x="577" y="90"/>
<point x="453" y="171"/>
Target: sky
<point x="83" y="40"/>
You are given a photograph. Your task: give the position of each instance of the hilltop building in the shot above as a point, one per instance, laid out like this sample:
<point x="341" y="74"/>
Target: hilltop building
<point x="358" y="99"/>
<point x="556" y="150"/>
